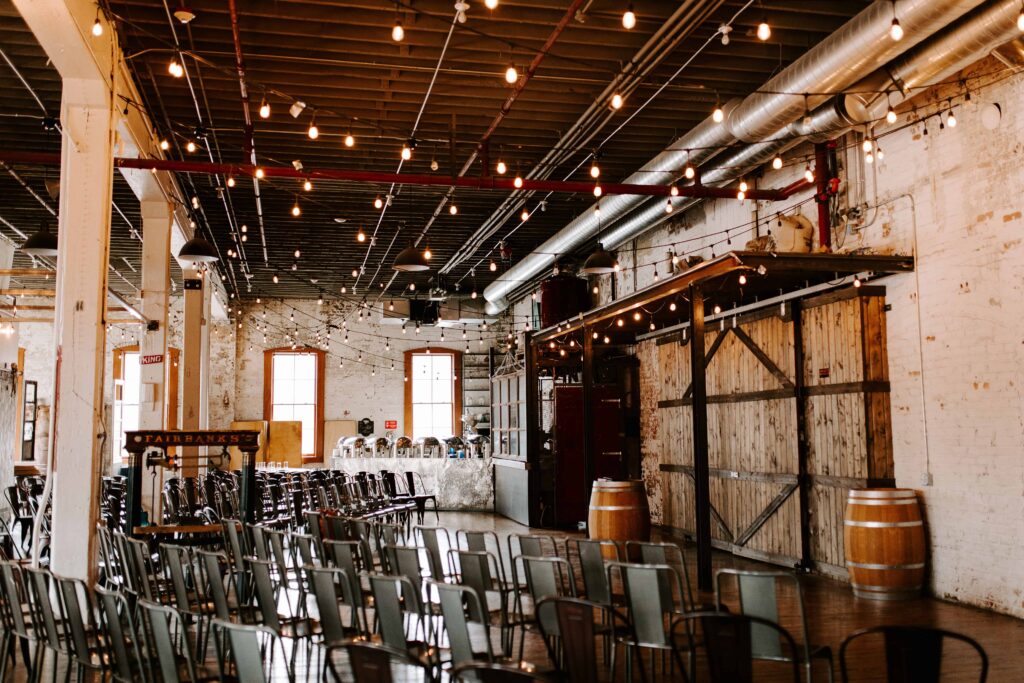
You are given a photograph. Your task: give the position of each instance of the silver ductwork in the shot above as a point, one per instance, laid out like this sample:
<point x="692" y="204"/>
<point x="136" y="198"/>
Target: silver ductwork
<point x="860" y="46"/>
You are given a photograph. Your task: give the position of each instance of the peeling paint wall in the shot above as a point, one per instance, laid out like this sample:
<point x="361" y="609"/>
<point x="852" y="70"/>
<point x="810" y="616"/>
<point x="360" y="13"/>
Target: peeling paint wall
<point x="955" y="329"/>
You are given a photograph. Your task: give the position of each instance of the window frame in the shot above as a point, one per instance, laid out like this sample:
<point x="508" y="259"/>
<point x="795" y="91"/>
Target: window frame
<point x="456" y="384"/>
<point x="318" y="413"/>
<point x="172" y="376"/>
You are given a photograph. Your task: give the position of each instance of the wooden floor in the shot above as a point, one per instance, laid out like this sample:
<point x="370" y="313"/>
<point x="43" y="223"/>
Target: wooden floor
<point x="832" y="613"/>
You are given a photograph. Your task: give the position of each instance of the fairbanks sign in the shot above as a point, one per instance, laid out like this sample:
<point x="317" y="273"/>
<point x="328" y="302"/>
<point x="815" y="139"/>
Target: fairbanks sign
<point x="138" y="441"/>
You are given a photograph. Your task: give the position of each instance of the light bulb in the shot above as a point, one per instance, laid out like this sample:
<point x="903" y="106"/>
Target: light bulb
<point x="397" y="32"/>
<point x="313" y="131"/>
<point x="491" y="4"/>
<point x="777" y="163"/>
<point x="764" y="31"/>
<point x="511" y="74"/>
<point x="951" y="120"/>
<point x="473" y="295"/>
<point x="617" y="101"/>
<point x="378" y="203"/>
<point x="501" y="168"/>
<point x="629" y="18"/>
<point x="265" y="110"/>
<point x="360" y="236"/>
<point x="349" y="140"/>
<point x="493" y="266"/>
<point x="673" y="191"/>
<point x="276" y="279"/>
<point x="597" y="190"/>
<point x="718" y="115"/>
<point x="1020" y="20"/>
<point x="175" y="69"/>
<point x="525" y="215"/>
<point x="406" y="153"/>
<point x="808" y="174"/>
<point x="869" y="158"/>
<point x="97" y="28"/>
<point x="427" y="254"/>
<point x="743" y="186"/>
<point x="741" y="195"/>
<point x="259" y="173"/>
<point x="668" y="206"/>
<point x="518" y="182"/>
<point x="690" y="172"/>
<point x="164" y="145"/>
<point x="896" y="31"/>
<point x="743" y="279"/>
<point x="434" y="165"/>
<point x="595" y="170"/>
<point x="890" y="116"/>
<point x="191" y="146"/>
<point x="307" y="185"/>
<point x="296" y="211"/>
<point x="879" y="154"/>
<point x="867" y="145"/>
<point x="231" y="183"/>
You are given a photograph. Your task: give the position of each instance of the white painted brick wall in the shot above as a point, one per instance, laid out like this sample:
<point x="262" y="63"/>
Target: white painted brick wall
<point x="962" y="189"/>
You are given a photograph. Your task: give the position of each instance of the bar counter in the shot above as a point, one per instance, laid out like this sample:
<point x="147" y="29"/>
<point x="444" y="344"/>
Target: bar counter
<point x="459" y="483"/>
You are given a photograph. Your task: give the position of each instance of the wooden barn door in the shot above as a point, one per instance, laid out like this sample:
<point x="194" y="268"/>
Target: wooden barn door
<point x="752" y="436"/>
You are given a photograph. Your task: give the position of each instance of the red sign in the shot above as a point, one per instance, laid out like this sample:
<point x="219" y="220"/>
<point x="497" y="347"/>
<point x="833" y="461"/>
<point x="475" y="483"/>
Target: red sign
<point x="390" y="424"/>
<point x="151" y="360"/>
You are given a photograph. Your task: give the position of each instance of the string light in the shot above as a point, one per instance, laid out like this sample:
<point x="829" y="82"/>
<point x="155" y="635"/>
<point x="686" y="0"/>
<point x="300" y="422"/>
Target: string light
<point x="808" y="174"/>
<point x="175" y="68"/>
<point x="276" y="279"/>
<point x="518" y="181"/>
<point x="259" y="173"/>
<point x="307" y="185"/>
<point x="890" y="116"/>
<point x="264" y="109"/>
<point x="668" y="206"/>
<point x="597" y="190"/>
<point x="777" y="162"/>
<point x="718" y="115"/>
<point x="97" y="27"/>
<point x="378" y="203"/>
<point x="764" y="31"/>
<point x="190" y="146"/>
<point x="742" y="279"/>
<point x="629" y="18"/>
<point x="491" y="4"/>
<point x="951" y="119"/>
<point x="406" y="153"/>
<point x="296" y="211"/>
<point x="595" y="170"/>
<point x="397" y="32"/>
<point x="511" y="74"/>
<point x="895" y="30"/>
<point x="617" y="101"/>
<point x="672" y="306"/>
<point x="453" y="209"/>
<point x="1020" y="19"/>
<point x="493" y="266"/>
<point x="525" y="215"/>
<point x="501" y="167"/>
<point x="313" y="132"/>
<point x="165" y="145"/>
<point x="230" y="181"/>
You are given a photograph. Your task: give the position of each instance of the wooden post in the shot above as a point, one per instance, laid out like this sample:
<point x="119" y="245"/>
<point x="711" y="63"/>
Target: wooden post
<point x="191" y="414"/>
<point x="86" y="188"/>
<point x="156" y="279"/>
<point x="588" y="410"/>
<point x="802" y="446"/>
<point x="701" y="476"/>
<point x="532" y="429"/>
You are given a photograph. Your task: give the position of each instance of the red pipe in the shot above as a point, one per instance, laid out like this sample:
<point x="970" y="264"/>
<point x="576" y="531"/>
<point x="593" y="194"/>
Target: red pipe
<point x="240" y="65"/>
<point x="491" y="183"/>
<point x="822" y="176"/>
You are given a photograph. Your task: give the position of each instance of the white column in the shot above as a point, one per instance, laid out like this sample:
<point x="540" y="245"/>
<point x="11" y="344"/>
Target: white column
<point x="191" y="408"/>
<point x="157" y="217"/>
<point x="86" y="185"/>
<point x="204" y="355"/>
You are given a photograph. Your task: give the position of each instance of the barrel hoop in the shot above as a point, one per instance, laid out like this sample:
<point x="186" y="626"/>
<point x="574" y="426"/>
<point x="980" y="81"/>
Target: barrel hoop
<point x="613" y="508"/>
<point x="882" y="502"/>
<point x="882" y="525"/>
<point x="882" y="493"/>
<point x="618" y="485"/>
<point x="885" y="592"/>
<point x="885" y="567"/>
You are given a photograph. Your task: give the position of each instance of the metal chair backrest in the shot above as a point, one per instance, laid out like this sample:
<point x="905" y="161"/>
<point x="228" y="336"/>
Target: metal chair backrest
<point x="460" y="607"/>
<point x="476" y="570"/>
<point x="432" y="539"/>
<point x="729" y="643"/>
<point x="758" y="597"/>
<point x="302" y="544"/>
<point x="575" y="632"/>
<point x="266" y="595"/>
<point x="43" y="618"/>
<point x="647" y="603"/>
<point x="591" y="554"/>
<point x="77" y="618"/>
<point x="495" y="673"/>
<point x="913" y="654"/>
<point x="162" y="623"/>
<point x="407" y="561"/>
<point x="395" y="598"/>
<point x="374" y="663"/>
<point x="214" y="581"/>
<point x="331" y="589"/>
<point x="122" y="637"/>
<point x="259" y="541"/>
<point x="665" y="553"/>
<point x="251" y="645"/>
<point x="178" y="562"/>
<point x="15" y="597"/>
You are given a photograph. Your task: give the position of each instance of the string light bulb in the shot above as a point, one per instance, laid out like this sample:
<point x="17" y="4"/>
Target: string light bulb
<point x="501" y="167"/>
<point x="808" y="174"/>
<point x="313" y="132"/>
<point x="895" y="30"/>
<point x="175" y="68"/>
<point x="453" y="209"/>
<point x="230" y="181"/>
<point x="97" y="27"/>
<point x="307" y="185"/>
<point x="597" y="190"/>
<point x="743" y="186"/>
<point x="349" y="140"/>
<point x="764" y="31"/>
<point x="629" y="18"/>
<point x="165" y="145"/>
<point x="259" y="173"/>
<point x="777" y="162"/>
<point x="397" y="32"/>
<point x="491" y="4"/>
<point x="718" y="115"/>
<point x="525" y="215"/>
<point x="1020" y="20"/>
<point x="406" y="153"/>
<point x="378" y="203"/>
<point x="890" y="116"/>
<point x="518" y="182"/>
<point x="595" y="170"/>
<point x="668" y="206"/>
<point x="673" y="191"/>
<point x="190" y="146"/>
<point x="296" y="211"/>
<point x="951" y="119"/>
<point x="360" y="236"/>
<point x="617" y="101"/>
<point x="264" y="109"/>
<point x="493" y="266"/>
<point x="511" y="73"/>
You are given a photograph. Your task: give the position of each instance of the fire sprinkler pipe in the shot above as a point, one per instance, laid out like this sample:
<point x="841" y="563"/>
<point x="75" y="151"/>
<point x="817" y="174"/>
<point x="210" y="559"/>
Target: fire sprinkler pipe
<point x="377" y="177"/>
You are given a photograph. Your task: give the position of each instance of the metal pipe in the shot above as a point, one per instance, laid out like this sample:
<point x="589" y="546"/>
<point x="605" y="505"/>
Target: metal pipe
<point x="377" y="177"/>
<point x="821" y="176"/>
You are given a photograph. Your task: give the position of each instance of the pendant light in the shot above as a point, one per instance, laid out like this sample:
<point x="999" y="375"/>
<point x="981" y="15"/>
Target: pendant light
<point x="41" y="243"/>
<point x="198" y="250"/>
<point x="601" y="261"/>
<point x="411" y="260"/>
<point x="264" y="109"/>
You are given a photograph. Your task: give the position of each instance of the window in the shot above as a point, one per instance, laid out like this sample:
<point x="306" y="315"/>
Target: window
<point x="433" y="398"/>
<point x="293" y="392"/>
<point x="126" y="398"/>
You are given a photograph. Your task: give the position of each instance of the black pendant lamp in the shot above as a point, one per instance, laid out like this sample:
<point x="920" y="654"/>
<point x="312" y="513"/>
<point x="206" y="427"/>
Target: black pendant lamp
<point x="600" y="262"/>
<point x="198" y="250"/>
<point x="411" y="260"/>
<point x="41" y="243"/>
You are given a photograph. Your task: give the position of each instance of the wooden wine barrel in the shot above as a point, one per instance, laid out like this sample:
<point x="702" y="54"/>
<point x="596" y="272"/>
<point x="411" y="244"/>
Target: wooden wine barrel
<point x="618" y="511"/>
<point x="885" y="548"/>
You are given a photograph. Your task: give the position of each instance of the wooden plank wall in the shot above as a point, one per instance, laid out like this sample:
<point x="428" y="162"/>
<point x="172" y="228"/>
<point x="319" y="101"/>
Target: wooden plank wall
<point x="753" y="432"/>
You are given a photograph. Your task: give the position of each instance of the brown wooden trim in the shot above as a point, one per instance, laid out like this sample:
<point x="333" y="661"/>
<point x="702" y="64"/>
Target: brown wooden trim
<point x="457" y="388"/>
<point x="846" y="388"/>
<point x="763" y="358"/>
<point x="742" y="551"/>
<point x="841" y="294"/>
<point x="769" y="477"/>
<point x="268" y="384"/>
<point x="741" y="397"/>
<point x="766" y="514"/>
<point x="851" y="482"/>
<point x="715" y="345"/>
